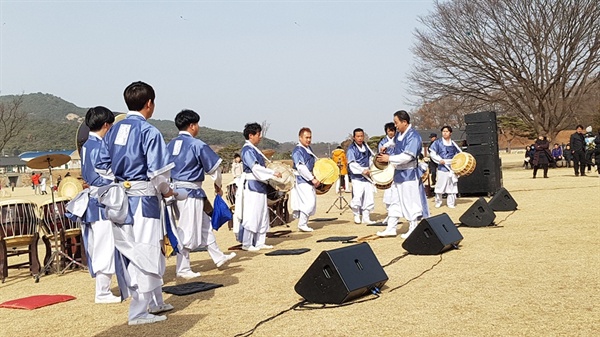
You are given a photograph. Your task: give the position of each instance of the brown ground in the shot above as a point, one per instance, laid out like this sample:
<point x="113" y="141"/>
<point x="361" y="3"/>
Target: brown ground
<point x="536" y="274"/>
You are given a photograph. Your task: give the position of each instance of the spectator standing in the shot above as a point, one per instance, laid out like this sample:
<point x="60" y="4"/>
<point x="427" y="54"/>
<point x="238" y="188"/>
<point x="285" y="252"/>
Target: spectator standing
<point x="589" y="138"/>
<point x="35" y="180"/>
<point x="542" y="156"/>
<point x="577" y="142"/>
<point x="597" y="152"/>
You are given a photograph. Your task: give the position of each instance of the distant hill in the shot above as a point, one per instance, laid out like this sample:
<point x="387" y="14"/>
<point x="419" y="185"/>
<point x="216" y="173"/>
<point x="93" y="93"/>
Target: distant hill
<point x="52" y="124"/>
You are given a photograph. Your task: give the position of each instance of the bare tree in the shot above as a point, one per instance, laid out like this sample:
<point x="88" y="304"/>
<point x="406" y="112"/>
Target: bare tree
<point x="537" y="58"/>
<point x="512" y="127"/>
<point x="265" y="127"/>
<point x="12" y="120"/>
<point x="446" y="110"/>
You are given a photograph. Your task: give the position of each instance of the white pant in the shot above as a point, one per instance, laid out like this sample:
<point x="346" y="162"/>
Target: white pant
<point x="362" y="197"/>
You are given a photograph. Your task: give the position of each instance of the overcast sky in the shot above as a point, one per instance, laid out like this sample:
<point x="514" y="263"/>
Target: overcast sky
<point x="330" y="65"/>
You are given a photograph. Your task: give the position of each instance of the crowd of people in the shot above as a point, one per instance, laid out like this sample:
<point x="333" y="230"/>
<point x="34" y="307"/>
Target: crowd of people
<point x="582" y="153"/>
<point x="141" y="190"/>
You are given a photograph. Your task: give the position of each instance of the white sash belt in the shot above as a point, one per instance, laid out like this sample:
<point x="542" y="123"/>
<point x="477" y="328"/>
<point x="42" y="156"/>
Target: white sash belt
<point x="192" y="185"/>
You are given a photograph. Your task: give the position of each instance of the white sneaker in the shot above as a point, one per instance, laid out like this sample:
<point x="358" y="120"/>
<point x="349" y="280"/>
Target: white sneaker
<point x="108" y="299"/>
<point x="387" y="234"/>
<point x="449" y="206"/>
<point x="161" y="308"/>
<point x="405" y="235"/>
<point x="147" y="319"/>
<point x="357" y="219"/>
<point x="305" y="229"/>
<point x="250" y="248"/>
<point x="188" y="275"/>
<point x="368" y="222"/>
<point x="438" y="204"/>
<point x="225" y="260"/>
<point x="263" y="246"/>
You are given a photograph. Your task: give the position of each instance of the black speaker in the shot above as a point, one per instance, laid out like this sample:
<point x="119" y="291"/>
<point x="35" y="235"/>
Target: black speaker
<point x="489" y="128"/>
<point x="481" y="138"/>
<point x="432" y="236"/>
<point x="486" y="179"/>
<point x="503" y="201"/>
<point x="481" y="117"/>
<point x="480" y="214"/>
<point x="341" y="275"/>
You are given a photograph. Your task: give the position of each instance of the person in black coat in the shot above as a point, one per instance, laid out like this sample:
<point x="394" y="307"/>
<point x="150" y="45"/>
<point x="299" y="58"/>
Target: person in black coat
<point x="568" y="155"/>
<point x="577" y="142"/>
<point x="527" y="159"/>
<point x="542" y="156"/>
<point x="597" y="151"/>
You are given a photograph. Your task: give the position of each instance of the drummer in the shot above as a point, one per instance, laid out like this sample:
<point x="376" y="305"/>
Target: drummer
<point x="97" y="231"/>
<point x="441" y="151"/>
<point x="359" y="158"/>
<point x="252" y="206"/>
<point x="408" y="194"/>
<point x="386" y="145"/>
<point x="303" y="196"/>
<point x="193" y="160"/>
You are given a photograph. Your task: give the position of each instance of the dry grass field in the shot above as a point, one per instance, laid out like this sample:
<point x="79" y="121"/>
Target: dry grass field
<point x="537" y="273"/>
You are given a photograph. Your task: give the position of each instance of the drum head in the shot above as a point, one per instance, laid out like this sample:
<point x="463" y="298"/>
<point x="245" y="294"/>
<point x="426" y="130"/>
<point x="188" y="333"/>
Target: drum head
<point x="463" y="164"/>
<point x="382" y="177"/>
<point x="326" y="171"/>
<point x="379" y="165"/>
<point x="69" y="187"/>
<point x="286" y="182"/>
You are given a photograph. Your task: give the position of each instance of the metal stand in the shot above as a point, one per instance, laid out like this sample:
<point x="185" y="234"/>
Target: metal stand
<point x="57" y="253"/>
<point x="340" y="203"/>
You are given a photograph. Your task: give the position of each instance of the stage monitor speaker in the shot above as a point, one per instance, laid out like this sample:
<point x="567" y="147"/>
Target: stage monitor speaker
<point x="480" y="214"/>
<point x="341" y="275"/>
<point x="503" y="201"/>
<point x="433" y="236"/>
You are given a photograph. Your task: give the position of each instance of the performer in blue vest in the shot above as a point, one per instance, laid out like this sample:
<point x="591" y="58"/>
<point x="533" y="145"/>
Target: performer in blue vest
<point x="359" y="160"/>
<point x="97" y="230"/>
<point x="441" y="152"/>
<point x="251" y="199"/>
<point x="136" y="154"/>
<point x="303" y="195"/>
<point x="408" y="193"/>
<point x="193" y="160"/>
<point x="386" y="145"/>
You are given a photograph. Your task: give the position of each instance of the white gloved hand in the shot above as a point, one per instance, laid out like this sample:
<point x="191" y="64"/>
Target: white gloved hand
<point x="180" y="194"/>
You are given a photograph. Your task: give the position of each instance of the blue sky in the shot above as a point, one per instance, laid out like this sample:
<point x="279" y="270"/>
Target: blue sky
<point x="330" y="65"/>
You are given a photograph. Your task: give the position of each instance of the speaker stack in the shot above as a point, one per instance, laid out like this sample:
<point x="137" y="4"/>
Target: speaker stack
<point x="341" y="275"/>
<point x="482" y="142"/>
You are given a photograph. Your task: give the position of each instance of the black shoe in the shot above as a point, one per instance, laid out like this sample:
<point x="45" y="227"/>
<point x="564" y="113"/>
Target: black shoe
<point x="583" y="174"/>
<point x="545" y="176"/>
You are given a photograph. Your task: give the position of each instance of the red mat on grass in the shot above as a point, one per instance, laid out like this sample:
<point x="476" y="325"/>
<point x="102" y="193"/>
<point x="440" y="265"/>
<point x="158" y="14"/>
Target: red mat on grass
<point x="37" y="301"/>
